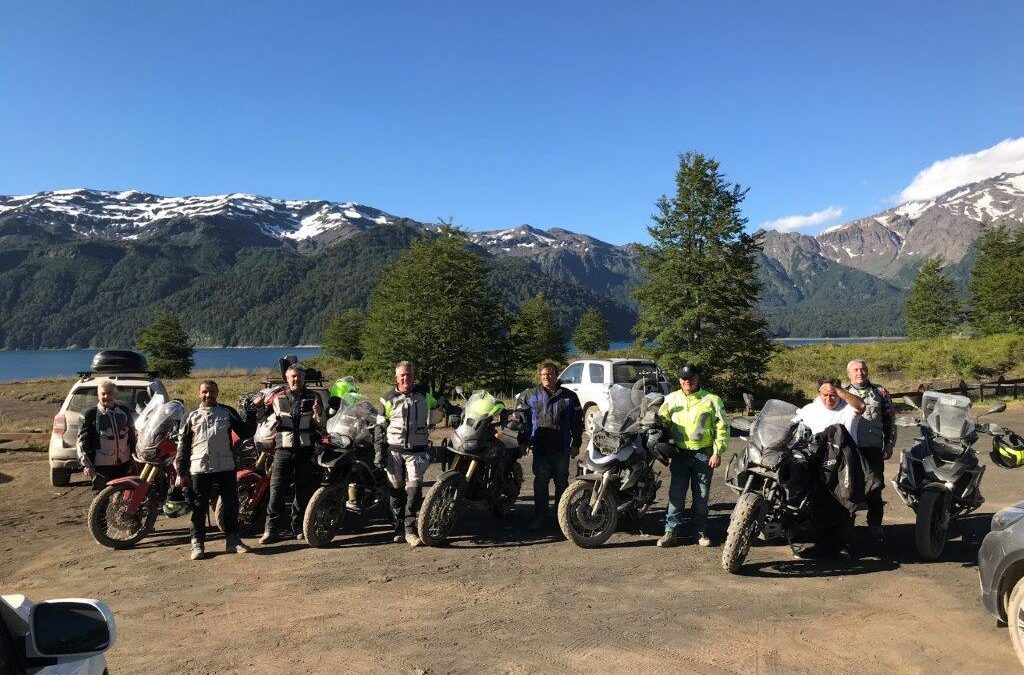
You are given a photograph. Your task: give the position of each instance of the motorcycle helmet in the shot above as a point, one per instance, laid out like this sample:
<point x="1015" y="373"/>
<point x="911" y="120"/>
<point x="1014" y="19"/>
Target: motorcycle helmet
<point x="177" y="503"/>
<point x="1008" y="451"/>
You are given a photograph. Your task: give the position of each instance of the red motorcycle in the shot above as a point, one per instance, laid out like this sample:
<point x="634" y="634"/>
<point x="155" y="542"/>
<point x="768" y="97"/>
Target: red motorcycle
<point x="125" y="510"/>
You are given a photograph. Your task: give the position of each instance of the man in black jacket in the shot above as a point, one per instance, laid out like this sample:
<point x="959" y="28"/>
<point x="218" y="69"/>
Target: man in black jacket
<point x="205" y="459"/>
<point x="106" y="438"/>
<point x="300" y="418"/>
<point x="553" y="430"/>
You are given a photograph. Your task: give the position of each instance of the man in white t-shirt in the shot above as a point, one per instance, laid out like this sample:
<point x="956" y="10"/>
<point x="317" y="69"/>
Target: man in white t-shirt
<point x="833" y="405"/>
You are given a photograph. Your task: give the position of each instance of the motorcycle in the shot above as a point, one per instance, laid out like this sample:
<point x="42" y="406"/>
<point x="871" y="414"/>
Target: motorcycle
<point x="617" y="474"/>
<point x="352" y="486"/>
<point x="939" y="475"/>
<point x="255" y="459"/>
<point x="775" y="478"/>
<point x="125" y="510"/>
<point x="484" y="467"/>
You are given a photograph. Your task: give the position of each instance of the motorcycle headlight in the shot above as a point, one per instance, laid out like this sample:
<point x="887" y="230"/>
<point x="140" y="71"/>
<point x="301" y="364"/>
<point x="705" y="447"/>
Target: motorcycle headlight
<point x="1007" y="517"/>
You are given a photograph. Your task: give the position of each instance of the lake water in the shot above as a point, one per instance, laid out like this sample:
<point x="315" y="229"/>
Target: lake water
<point x="37" y="363"/>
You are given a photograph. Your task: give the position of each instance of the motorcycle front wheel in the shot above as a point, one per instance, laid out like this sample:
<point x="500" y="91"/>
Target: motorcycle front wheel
<point x="932" y="525"/>
<point x="744" y="525"/>
<point x="576" y="518"/>
<point x="109" y="522"/>
<point x="325" y="515"/>
<point x="440" y="508"/>
<point x="252" y="517"/>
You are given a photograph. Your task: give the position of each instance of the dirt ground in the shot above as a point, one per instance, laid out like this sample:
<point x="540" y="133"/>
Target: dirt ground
<point x="503" y="599"/>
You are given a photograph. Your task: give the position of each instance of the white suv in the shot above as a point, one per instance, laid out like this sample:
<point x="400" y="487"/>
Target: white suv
<point x="592" y="378"/>
<point x="134" y="389"/>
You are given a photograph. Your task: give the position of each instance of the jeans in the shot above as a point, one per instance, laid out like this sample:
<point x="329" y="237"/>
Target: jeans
<point x="875" y="504"/>
<point x="547" y="466"/>
<point x="689" y="470"/>
<point x="202" y="489"/>
<point x="107" y="473"/>
<point x="291" y="467"/>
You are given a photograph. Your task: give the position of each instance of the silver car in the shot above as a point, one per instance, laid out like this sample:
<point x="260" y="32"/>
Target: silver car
<point x="1001" y="565"/>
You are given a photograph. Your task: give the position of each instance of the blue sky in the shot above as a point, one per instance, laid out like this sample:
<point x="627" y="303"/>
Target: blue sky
<point x="557" y="114"/>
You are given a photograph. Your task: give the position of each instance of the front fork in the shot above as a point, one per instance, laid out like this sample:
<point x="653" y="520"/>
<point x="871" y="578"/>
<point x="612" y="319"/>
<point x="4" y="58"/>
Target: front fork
<point x="597" y="497"/>
<point x="147" y="477"/>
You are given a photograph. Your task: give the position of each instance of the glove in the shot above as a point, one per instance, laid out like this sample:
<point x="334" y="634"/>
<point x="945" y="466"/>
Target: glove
<point x="379" y="458"/>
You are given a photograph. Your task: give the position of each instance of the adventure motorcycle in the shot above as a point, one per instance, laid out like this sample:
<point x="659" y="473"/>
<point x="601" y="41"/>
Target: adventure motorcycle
<point x="125" y="510"/>
<point x="617" y="474"/>
<point x="775" y="477"/>
<point x="352" y="486"/>
<point x="484" y="452"/>
<point x="252" y="477"/>
<point x="939" y="475"/>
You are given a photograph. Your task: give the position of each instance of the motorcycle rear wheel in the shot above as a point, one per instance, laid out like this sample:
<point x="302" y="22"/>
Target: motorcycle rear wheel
<point x="440" y="508"/>
<point x="744" y="525"/>
<point x="575" y="516"/>
<point x="325" y="516"/>
<point x="111" y="526"/>
<point x="932" y="527"/>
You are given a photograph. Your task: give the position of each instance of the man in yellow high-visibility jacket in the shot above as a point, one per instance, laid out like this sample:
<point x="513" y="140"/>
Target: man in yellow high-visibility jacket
<point x="696" y="421"/>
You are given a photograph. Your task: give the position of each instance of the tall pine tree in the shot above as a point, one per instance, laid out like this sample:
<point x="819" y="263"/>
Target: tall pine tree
<point x="933" y="309"/>
<point x="997" y="282"/>
<point x="535" y="335"/>
<point x="168" y="345"/>
<point x="697" y="300"/>
<point x="434" y="307"/>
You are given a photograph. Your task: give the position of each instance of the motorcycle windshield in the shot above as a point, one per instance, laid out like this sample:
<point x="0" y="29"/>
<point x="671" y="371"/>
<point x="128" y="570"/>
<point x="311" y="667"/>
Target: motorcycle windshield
<point x="160" y="419"/>
<point x="948" y="415"/>
<point x="623" y="409"/>
<point x="355" y="419"/>
<point x="482" y="405"/>
<point x="773" y="425"/>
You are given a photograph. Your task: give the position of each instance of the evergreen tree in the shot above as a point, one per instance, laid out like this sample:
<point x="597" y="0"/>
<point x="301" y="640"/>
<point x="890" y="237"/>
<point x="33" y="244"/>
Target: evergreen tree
<point x="167" y="345"/>
<point x="343" y="333"/>
<point x="932" y="306"/>
<point x="535" y="335"/>
<point x="697" y="301"/>
<point x="434" y="307"/>
<point x="997" y="282"/>
<point x="591" y="335"/>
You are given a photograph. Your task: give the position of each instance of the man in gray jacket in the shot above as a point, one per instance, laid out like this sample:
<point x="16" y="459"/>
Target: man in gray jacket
<point x="205" y="459"/>
<point x="106" y="438"/>
<point x="876" y="434"/>
<point x="401" y="447"/>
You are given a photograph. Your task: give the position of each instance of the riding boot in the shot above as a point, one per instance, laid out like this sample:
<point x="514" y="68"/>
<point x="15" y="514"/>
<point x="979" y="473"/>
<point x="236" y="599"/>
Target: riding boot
<point x="398" y="502"/>
<point x="413" y="499"/>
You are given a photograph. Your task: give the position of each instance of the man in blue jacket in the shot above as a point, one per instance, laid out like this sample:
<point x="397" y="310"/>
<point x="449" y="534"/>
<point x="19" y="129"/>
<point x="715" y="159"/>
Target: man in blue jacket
<point x="553" y="430"/>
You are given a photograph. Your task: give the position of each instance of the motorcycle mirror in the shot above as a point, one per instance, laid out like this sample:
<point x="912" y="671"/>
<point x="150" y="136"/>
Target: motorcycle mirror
<point x="998" y="409"/>
<point x="740" y="423"/>
<point x="459" y="391"/>
<point x="909" y="401"/>
<point x="748" y="400"/>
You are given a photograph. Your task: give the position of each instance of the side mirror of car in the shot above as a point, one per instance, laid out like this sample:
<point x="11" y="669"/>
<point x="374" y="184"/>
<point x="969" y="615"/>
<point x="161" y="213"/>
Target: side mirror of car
<point x="69" y="630"/>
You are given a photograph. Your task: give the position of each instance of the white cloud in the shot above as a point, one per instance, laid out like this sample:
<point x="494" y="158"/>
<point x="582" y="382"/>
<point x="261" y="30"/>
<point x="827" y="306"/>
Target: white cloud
<point x="946" y="174"/>
<point x="793" y="223"/>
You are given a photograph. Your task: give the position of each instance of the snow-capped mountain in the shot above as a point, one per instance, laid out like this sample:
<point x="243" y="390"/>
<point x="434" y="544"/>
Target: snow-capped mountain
<point x="135" y="215"/>
<point x="889" y="242"/>
<point x="527" y="241"/>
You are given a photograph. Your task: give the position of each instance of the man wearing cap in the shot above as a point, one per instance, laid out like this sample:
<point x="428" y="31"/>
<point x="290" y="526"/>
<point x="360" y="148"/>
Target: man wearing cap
<point x="696" y="421"/>
<point x="876" y="434"/>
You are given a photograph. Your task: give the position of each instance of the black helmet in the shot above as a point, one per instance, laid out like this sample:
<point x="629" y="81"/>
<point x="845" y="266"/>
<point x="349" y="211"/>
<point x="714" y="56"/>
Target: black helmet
<point x="1008" y="451"/>
<point x="688" y="371"/>
<point x="178" y="502"/>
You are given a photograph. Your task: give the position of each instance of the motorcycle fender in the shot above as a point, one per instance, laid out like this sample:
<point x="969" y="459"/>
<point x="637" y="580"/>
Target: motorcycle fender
<point x="245" y="474"/>
<point x="139" y="488"/>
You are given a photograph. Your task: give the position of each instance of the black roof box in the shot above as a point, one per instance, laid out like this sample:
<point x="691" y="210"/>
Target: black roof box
<point x="119" y="361"/>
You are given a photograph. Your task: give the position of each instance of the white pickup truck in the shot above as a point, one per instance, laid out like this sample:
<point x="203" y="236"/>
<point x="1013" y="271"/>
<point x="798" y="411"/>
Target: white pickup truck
<point x="592" y="378"/>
